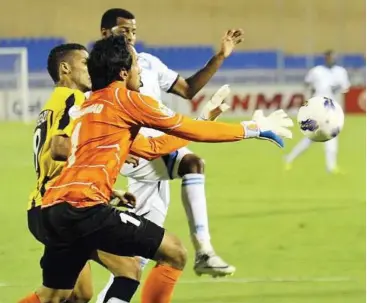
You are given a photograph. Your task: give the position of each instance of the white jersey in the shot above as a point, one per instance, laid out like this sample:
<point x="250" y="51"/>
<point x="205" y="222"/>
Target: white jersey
<point x="156" y="77"/>
<point x="328" y="81"/>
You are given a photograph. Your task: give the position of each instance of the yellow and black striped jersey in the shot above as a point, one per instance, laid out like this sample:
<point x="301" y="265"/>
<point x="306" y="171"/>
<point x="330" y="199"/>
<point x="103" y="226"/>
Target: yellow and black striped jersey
<point x="53" y="120"/>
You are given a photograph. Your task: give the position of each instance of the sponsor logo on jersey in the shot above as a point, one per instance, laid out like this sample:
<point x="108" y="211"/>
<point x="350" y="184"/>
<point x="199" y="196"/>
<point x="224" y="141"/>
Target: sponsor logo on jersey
<point x="76" y="112"/>
<point x="42" y="117"/>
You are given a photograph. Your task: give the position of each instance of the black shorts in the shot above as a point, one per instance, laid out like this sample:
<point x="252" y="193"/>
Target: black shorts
<point x="35" y="224"/>
<point x="74" y="234"/>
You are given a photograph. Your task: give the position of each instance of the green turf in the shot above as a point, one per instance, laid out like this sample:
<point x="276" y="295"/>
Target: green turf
<point x="304" y="226"/>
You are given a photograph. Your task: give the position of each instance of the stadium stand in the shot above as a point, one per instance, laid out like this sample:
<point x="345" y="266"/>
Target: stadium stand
<point x="182" y="57"/>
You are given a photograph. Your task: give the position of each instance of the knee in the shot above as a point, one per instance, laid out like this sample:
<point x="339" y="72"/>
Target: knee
<point x="81" y="295"/>
<point x="128" y="267"/>
<point x="191" y="164"/>
<point x="179" y="256"/>
<point x="48" y="295"/>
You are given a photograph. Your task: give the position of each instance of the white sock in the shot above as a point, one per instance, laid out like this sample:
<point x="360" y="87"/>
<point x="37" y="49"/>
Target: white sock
<point x="194" y="201"/>
<point x="298" y="149"/>
<point x="331" y="150"/>
<point x="103" y="292"/>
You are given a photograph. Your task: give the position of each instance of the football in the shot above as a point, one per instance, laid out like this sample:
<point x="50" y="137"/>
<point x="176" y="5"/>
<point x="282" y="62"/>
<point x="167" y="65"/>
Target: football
<point x="320" y="119"/>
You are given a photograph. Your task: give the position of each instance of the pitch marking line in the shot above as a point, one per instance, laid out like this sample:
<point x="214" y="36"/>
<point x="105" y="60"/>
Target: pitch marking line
<point x="267" y="280"/>
<point x="245" y="280"/>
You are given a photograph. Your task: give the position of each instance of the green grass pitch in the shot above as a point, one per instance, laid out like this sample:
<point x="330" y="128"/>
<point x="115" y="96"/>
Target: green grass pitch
<point x="295" y="237"/>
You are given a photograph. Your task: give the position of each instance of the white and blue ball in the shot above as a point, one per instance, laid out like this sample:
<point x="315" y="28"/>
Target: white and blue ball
<point x="320" y="119"/>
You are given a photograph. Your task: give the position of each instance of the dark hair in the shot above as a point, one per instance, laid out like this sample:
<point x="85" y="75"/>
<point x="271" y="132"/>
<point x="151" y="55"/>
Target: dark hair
<point x="106" y="60"/>
<point x="59" y="54"/>
<point x="109" y="18"/>
<point x="329" y="52"/>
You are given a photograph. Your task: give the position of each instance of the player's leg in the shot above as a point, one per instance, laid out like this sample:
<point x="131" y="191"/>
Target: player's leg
<point x="125" y="277"/>
<point x="162" y="279"/>
<point x="190" y="168"/>
<point x="35" y="224"/>
<point x="47" y="295"/>
<point x="154" y="208"/>
<point x="83" y="291"/>
<point x="151" y="188"/>
<point x="149" y="204"/>
<point x="66" y="252"/>
<point x="302" y="146"/>
<point x="131" y="235"/>
<point x="102" y="293"/>
<point x="159" y="286"/>
<point x="331" y="153"/>
<point x="60" y="269"/>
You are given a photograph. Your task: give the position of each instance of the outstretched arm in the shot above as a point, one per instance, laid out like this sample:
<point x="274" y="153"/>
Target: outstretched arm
<point x="188" y="88"/>
<point x="152" y="148"/>
<point x="147" y="112"/>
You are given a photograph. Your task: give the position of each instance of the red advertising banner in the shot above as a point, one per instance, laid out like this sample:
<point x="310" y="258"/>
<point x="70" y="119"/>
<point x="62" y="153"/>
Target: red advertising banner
<point x="243" y="100"/>
<point x="355" y="100"/>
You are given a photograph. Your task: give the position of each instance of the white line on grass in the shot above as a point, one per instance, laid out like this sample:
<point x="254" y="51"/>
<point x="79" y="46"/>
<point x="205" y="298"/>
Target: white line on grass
<point x="267" y="280"/>
<point x="243" y="280"/>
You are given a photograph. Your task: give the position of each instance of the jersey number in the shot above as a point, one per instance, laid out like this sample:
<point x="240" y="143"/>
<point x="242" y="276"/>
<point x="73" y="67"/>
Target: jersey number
<point x="39" y="139"/>
<point x="74" y="143"/>
<point x="126" y="218"/>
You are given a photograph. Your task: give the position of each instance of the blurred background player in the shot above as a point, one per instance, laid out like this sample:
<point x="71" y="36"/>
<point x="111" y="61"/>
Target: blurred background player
<point x="328" y="80"/>
<point x="149" y="181"/>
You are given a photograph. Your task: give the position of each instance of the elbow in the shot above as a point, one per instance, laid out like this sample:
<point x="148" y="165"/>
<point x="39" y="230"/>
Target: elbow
<point x="186" y="94"/>
<point x="59" y="152"/>
<point x="189" y="94"/>
<point x="58" y="155"/>
<point x="60" y="148"/>
<point x="189" y="91"/>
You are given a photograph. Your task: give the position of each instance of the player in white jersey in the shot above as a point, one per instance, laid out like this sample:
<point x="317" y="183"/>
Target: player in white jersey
<point x="329" y="80"/>
<point x="149" y="181"/>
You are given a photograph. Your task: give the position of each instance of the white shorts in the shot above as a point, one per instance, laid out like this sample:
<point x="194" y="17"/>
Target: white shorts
<point x="149" y="182"/>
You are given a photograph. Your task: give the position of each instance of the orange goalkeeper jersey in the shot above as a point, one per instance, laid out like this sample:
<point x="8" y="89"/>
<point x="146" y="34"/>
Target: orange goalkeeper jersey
<point x="104" y="133"/>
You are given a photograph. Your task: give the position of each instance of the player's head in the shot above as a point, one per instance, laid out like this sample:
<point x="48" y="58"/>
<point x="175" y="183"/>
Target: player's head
<point x="330" y="58"/>
<point x="118" y="22"/>
<point x="113" y="59"/>
<point x="67" y="66"/>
